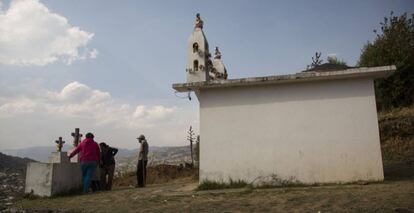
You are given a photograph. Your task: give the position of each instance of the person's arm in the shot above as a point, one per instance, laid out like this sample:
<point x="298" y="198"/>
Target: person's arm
<point x="146" y="148"/>
<point x="99" y="154"/>
<point x="141" y="151"/>
<point x="114" y="151"/>
<point x="76" y="151"/>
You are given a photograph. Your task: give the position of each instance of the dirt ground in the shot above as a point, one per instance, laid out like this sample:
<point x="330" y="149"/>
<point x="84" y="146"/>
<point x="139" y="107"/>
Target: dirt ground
<point x="395" y="194"/>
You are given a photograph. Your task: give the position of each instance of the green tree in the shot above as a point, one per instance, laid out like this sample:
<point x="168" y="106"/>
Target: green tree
<point x="393" y="45"/>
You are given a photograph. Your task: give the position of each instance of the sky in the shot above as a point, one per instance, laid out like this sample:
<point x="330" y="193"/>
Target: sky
<point x="107" y="67"/>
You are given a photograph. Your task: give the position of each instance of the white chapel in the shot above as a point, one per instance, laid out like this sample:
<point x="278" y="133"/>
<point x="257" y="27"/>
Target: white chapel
<point x="309" y="127"/>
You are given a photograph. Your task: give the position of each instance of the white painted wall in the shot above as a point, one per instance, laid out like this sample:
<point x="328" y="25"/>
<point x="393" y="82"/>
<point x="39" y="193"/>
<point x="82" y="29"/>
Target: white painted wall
<point x="197" y="36"/>
<point x="67" y="178"/>
<point x="320" y="132"/>
<point x="60" y="176"/>
<point x="39" y="178"/>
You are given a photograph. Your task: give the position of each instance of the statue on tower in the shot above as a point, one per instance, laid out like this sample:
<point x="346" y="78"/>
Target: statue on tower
<point x="217" y="54"/>
<point x="198" y="23"/>
<point x="218" y="70"/>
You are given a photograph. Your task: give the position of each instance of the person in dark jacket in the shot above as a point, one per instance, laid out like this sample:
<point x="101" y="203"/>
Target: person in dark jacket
<point x="107" y="165"/>
<point x="142" y="162"/>
<point x="89" y="159"/>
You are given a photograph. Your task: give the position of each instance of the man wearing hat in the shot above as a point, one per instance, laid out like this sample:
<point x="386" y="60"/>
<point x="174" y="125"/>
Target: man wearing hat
<point x="142" y="162"/>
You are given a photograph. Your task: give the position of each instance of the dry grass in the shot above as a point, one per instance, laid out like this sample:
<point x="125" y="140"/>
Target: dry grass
<point x="395" y="195"/>
<point x="159" y="174"/>
<point x="396" y="113"/>
<point x="397" y="135"/>
<point x="212" y="185"/>
<point x="171" y="189"/>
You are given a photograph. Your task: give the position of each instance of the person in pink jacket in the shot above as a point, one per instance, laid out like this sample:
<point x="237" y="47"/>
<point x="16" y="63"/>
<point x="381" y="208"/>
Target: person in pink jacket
<point x="90" y="156"/>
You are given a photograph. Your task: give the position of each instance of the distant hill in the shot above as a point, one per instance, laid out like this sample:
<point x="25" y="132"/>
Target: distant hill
<point x="42" y="153"/>
<point x="38" y="153"/>
<point x="126" y="157"/>
<point x="174" y="155"/>
<point x="12" y="164"/>
<point x="12" y="179"/>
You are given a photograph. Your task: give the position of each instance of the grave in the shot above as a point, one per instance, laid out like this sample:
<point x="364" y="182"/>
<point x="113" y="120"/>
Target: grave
<point x="59" y="176"/>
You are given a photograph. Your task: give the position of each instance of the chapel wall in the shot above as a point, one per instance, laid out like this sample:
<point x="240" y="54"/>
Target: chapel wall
<point x="316" y="132"/>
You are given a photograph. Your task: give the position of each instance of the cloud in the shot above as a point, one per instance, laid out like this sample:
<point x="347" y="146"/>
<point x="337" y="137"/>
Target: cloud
<point x="44" y="114"/>
<point x="156" y="112"/>
<point x="77" y="100"/>
<point x="32" y="35"/>
<point x="93" y="53"/>
<point x="77" y="92"/>
<point x="19" y="106"/>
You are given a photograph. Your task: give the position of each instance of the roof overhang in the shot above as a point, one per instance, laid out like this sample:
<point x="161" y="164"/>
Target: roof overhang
<point x="361" y="72"/>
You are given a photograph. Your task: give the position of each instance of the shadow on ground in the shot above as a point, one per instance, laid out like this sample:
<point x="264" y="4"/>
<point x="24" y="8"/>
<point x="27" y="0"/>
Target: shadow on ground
<point x="399" y="171"/>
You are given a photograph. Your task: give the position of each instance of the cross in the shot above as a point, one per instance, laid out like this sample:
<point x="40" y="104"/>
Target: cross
<point x="76" y="137"/>
<point x="59" y="144"/>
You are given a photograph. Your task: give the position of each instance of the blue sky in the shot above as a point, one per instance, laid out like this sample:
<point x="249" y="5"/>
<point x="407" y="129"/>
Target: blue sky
<point x="140" y="50"/>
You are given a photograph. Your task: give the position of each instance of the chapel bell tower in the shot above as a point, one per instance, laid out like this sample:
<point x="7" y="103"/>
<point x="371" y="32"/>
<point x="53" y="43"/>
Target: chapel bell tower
<point x="198" y="57"/>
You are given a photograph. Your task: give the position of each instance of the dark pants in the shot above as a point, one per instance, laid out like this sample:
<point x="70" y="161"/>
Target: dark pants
<point x="95" y="185"/>
<point x="107" y="175"/>
<point x="142" y="173"/>
<point x="88" y="169"/>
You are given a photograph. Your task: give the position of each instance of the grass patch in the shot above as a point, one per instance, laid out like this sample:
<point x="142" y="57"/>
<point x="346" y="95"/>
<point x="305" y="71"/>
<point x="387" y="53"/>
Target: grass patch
<point x="274" y="181"/>
<point x="396" y="134"/>
<point x="284" y="185"/>
<point x="401" y="112"/>
<point x="31" y="196"/>
<point x="212" y="185"/>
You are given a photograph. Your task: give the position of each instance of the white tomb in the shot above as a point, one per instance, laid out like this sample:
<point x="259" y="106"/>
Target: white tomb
<point x="59" y="176"/>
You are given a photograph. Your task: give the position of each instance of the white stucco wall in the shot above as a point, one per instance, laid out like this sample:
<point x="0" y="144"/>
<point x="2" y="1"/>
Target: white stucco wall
<point x="39" y="178"/>
<point x="60" y="176"/>
<point x="67" y="178"/>
<point x="320" y="132"/>
<point x="197" y="36"/>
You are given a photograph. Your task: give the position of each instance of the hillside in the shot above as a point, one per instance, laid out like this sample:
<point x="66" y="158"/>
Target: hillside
<point x="171" y="188"/>
<point x="179" y="196"/>
<point x="126" y="159"/>
<point x="12" y="178"/>
<point x="156" y="156"/>
<point x="38" y="153"/>
<point x="159" y="174"/>
<point x="397" y="135"/>
<point x="41" y="153"/>
<point x="12" y="164"/>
